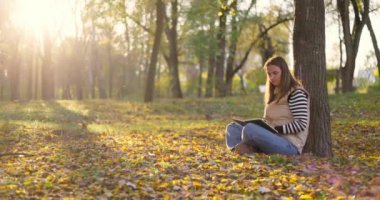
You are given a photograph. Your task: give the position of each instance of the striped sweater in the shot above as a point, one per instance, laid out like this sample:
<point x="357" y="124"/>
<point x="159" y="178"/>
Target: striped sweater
<point x="298" y="107"/>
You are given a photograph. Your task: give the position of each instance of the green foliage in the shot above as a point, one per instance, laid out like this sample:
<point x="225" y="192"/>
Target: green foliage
<point x="256" y="77"/>
<point x="162" y="85"/>
<point x="375" y="87"/>
<point x="200" y="27"/>
<point x="331" y="75"/>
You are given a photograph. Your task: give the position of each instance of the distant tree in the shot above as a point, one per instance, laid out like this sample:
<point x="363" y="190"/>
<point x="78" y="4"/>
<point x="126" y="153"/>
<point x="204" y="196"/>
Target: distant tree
<point x="259" y="38"/>
<point x="201" y="39"/>
<point x="47" y="83"/>
<point x="220" y="54"/>
<point x="149" y="88"/>
<point x="210" y="81"/>
<point x="310" y="63"/>
<point x="14" y="62"/>
<point x="351" y="39"/>
<point x="234" y="38"/>
<point x="97" y="76"/>
<point x="374" y="43"/>
<point x="172" y="36"/>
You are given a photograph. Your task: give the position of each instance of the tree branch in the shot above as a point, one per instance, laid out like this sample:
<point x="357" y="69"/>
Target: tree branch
<point x="265" y="31"/>
<point x="16" y="154"/>
<point x="139" y="24"/>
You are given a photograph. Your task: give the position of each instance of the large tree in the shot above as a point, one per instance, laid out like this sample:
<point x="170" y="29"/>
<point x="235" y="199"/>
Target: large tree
<point x="310" y="65"/>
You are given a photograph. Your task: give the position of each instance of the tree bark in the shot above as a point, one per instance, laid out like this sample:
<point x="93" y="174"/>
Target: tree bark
<point x="31" y="66"/>
<point x="149" y="89"/>
<point x="220" y="55"/>
<point x="210" y="80"/>
<point x="110" y="65"/>
<point x="351" y="40"/>
<point x="123" y="84"/>
<point x="171" y="34"/>
<point x="232" y="51"/>
<point x="309" y="55"/>
<point x="14" y="68"/>
<point x="374" y="43"/>
<point x="339" y="70"/>
<point x="96" y="75"/>
<point x="78" y="72"/>
<point x="2" y="81"/>
<point x="14" y="75"/>
<point x="100" y="77"/>
<point x="47" y="70"/>
<point x="201" y="60"/>
<point x="36" y="77"/>
<point x="266" y="49"/>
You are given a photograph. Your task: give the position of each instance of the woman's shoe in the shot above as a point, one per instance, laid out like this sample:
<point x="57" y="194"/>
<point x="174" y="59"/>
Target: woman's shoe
<point x="243" y="148"/>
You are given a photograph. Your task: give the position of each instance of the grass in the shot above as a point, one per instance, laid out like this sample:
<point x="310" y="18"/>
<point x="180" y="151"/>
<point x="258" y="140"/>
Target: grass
<point x="170" y="149"/>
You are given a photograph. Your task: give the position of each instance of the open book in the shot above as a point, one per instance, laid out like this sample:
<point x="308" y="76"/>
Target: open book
<point x="260" y="122"/>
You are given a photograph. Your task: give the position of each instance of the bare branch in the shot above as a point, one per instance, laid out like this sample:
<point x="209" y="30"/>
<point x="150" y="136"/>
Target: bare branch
<point x="139" y="24"/>
<point x="16" y="154"/>
<point x="265" y="31"/>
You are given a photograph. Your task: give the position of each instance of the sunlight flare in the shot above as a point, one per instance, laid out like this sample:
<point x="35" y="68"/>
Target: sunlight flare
<point x="38" y="17"/>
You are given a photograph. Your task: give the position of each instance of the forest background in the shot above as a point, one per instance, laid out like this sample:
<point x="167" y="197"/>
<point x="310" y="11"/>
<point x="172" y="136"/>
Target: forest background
<point x="102" y="49"/>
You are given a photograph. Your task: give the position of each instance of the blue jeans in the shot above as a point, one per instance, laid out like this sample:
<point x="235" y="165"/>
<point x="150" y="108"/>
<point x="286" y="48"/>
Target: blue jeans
<point x="266" y="141"/>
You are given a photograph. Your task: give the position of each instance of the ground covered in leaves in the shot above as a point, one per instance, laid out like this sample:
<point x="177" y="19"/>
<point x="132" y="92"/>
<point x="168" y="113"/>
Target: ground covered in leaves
<point x="175" y="149"/>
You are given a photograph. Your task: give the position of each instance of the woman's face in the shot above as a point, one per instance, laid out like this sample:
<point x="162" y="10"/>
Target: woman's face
<point x="274" y="74"/>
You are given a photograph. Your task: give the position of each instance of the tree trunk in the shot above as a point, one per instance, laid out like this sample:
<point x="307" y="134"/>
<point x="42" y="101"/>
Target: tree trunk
<point x="37" y="77"/>
<point x="66" y="91"/>
<point x="243" y="84"/>
<point x="351" y="40"/>
<point x="78" y="72"/>
<point x="31" y="66"/>
<point x="92" y="69"/>
<point x="14" y="69"/>
<point x="110" y="66"/>
<point x="2" y="81"/>
<point x="266" y="47"/>
<point x="14" y="76"/>
<point x="232" y="51"/>
<point x="123" y="86"/>
<point x="149" y="88"/>
<point x="337" y="81"/>
<point x="338" y="75"/>
<point x="236" y="28"/>
<point x="95" y="64"/>
<point x="309" y="55"/>
<point x="47" y="71"/>
<point x="201" y="59"/>
<point x="374" y="43"/>
<point x="171" y="34"/>
<point x="101" y="80"/>
<point x="210" y="81"/>
<point x="221" y="40"/>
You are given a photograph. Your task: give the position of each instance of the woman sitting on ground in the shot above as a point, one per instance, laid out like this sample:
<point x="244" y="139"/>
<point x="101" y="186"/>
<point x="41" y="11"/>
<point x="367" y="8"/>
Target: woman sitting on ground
<point x="286" y="109"/>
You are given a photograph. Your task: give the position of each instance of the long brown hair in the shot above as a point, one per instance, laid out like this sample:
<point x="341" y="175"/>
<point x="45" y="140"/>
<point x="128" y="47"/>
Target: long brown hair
<point x="287" y="80"/>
